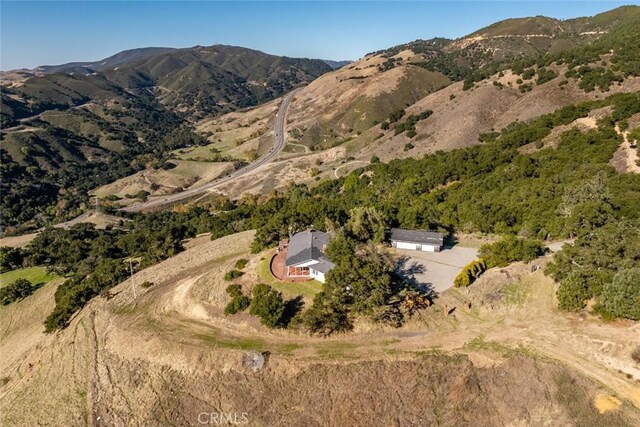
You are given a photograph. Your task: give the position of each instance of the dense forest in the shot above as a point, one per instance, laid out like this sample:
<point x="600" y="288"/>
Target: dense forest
<point x="548" y="193"/>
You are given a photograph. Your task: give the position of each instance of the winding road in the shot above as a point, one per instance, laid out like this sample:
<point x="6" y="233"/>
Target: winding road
<point x="278" y="146"/>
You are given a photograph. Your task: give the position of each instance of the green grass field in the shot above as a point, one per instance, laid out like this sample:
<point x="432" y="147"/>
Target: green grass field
<point x="33" y="274"/>
<point x="289" y="289"/>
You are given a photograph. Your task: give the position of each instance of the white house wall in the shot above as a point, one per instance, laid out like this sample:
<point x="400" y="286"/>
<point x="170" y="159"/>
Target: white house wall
<point x="319" y="276"/>
<point x="415" y="246"/>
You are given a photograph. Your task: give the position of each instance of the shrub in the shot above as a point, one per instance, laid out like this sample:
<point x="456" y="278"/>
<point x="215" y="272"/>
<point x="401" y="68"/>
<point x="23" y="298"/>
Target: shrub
<point x="241" y="263"/>
<point x="327" y="316"/>
<point x="267" y="304"/>
<point x="621" y="297"/>
<point x="396" y="115"/>
<point x="16" y="291"/>
<point x="146" y="284"/>
<point x="10" y="258"/>
<point x="573" y="292"/>
<point x="239" y="301"/>
<point x="142" y="195"/>
<point x="232" y="274"/>
<point x="470" y="273"/>
<point x="511" y="249"/>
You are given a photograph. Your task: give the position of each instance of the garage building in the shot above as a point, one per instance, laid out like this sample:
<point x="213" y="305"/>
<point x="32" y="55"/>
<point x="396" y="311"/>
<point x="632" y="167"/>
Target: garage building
<point x="416" y="240"/>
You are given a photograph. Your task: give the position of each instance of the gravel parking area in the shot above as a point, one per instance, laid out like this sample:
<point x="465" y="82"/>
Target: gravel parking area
<point x="436" y="270"/>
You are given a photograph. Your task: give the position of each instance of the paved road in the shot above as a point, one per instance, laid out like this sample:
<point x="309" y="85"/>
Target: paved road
<point x="278" y="145"/>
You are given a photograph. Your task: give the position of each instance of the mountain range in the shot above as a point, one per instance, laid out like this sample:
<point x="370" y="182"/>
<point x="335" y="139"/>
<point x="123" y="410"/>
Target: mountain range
<point x="72" y="127"/>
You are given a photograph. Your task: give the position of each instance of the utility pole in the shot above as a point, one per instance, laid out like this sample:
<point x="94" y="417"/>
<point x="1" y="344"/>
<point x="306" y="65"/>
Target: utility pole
<point x="133" y="285"/>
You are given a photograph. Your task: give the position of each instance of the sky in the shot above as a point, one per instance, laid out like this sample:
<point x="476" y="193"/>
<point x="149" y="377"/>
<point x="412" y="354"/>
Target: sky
<point x="55" y="32"/>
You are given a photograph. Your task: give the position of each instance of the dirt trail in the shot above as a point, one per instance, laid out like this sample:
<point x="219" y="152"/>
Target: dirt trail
<point x="625" y="159"/>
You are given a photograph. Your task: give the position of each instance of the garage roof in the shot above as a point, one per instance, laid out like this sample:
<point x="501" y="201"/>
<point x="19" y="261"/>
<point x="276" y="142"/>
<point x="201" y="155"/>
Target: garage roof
<point x="417" y="236"/>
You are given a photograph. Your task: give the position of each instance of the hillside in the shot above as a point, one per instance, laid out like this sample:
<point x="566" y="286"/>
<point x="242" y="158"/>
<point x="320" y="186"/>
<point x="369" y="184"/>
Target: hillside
<point x="404" y="101"/>
<point x="337" y="123"/>
<point x="173" y="351"/>
<point x="61" y="130"/>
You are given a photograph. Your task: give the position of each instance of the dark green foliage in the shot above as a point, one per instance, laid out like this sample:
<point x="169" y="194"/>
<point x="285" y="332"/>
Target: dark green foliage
<point x="396" y="115"/>
<point x="73" y="294"/>
<point x="241" y="263"/>
<point x="594" y="77"/>
<point x="524" y="88"/>
<point x="470" y="273"/>
<point x="587" y="267"/>
<point x="384" y="125"/>
<point x="239" y="301"/>
<point x="528" y="74"/>
<point x="16" y="291"/>
<point x="409" y="125"/>
<point x="328" y="314"/>
<point x="146" y="284"/>
<point x="511" y="249"/>
<point x="621" y="296"/>
<point x="573" y="292"/>
<point x="545" y="75"/>
<point x="232" y="274"/>
<point x="362" y="282"/>
<point x="366" y="224"/>
<point x="10" y="258"/>
<point x="268" y="305"/>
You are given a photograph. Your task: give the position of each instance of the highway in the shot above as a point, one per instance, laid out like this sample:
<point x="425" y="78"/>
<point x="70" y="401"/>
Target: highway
<point x="278" y="146"/>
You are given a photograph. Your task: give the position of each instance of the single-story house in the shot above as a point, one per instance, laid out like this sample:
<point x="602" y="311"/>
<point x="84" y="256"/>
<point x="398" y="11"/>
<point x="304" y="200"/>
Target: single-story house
<point x="416" y="240"/>
<point x="306" y="257"/>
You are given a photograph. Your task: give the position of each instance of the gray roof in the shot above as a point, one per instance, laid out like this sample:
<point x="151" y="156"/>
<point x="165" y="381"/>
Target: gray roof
<point x="307" y="246"/>
<point x="416" y="236"/>
<point x="324" y="266"/>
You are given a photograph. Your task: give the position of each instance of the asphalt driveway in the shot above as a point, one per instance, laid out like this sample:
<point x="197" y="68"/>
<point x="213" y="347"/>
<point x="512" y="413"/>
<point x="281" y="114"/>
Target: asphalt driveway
<point x="435" y="270"/>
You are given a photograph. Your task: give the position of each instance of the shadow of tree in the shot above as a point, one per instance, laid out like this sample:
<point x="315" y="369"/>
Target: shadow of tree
<point x="407" y="270"/>
<point x="291" y="308"/>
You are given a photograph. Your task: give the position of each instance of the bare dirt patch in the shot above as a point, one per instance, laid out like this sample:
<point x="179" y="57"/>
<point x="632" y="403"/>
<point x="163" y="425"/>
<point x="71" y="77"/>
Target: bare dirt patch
<point x="605" y="403"/>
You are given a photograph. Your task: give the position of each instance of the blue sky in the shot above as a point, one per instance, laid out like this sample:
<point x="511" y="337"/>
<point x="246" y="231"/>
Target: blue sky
<point x="54" y="32"/>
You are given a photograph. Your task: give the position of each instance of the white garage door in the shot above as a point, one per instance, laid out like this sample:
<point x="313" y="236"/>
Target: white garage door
<point x="406" y="245"/>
